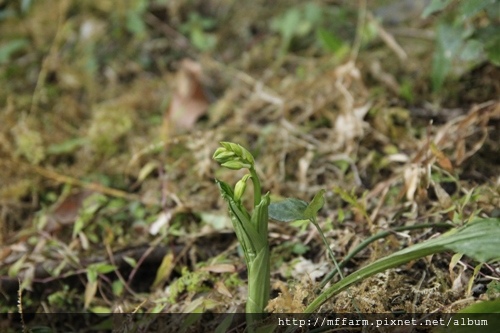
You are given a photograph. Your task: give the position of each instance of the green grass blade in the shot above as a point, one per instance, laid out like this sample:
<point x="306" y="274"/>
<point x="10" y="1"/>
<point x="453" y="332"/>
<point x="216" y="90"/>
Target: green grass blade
<point x="476" y="240"/>
<point x="364" y="244"/>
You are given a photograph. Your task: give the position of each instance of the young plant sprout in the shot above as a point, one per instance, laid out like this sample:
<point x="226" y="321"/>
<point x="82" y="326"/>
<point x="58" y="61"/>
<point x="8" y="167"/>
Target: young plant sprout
<point x="250" y="228"/>
<point x="477" y="239"/>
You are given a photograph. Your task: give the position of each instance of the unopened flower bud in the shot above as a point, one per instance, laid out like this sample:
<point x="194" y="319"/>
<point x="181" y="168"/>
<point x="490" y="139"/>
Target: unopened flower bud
<point x="247" y="156"/>
<point x="236" y="148"/>
<point x="238" y="151"/>
<point x="235" y="165"/>
<point x="222" y="155"/>
<point x="240" y="187"/>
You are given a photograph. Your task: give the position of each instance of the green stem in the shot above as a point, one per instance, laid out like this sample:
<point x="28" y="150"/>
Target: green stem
<point x="313" y="220"/>
<point x="339" y="270"/>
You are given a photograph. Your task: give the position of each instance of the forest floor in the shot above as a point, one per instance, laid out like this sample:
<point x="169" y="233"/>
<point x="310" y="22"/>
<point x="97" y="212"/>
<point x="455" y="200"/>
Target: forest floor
<point x="111" y="112"/>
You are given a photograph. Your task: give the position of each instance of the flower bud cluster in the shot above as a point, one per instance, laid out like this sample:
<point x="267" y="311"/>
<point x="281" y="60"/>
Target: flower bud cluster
<point x="233" y="156"/>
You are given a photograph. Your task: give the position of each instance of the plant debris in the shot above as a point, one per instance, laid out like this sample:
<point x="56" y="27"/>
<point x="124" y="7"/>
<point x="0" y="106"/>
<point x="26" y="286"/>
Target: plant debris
<point x="111" y="114"/>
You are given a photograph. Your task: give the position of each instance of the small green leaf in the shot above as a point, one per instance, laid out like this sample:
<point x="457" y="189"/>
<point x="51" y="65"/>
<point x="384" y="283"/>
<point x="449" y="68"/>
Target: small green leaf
<point x="315" y="205"/>
<point x="91" y="274"/>
<point x="435" y="6"/>
<point x="448" y="43"/>
<point x="346" y="196"/>
<point x="329" y="41"/>
<point x="288" y="210"/>
<point x="100" y="309"/>
<point x="67" y="146"/>
<point x="470" y="8"/>
<point x="118" y="287"/>
<point x="104" y="268"/>
<point x="16" y="266"/>
<point x="300" y="248"/>
<point x="10" y="48"/>
<point x="493" y="290"/>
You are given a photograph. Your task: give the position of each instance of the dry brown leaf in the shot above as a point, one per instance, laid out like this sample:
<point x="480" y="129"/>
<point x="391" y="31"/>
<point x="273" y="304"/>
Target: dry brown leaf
<point x="443" y="197"/>
<point x="222" y="289"/>
<point x="164" y="271"/>
<point x="90" y="291"/>
<point x="161" y="222"/>
<point x="304" y="163"/>
<point x="416" y="181"/>
<point x="4" y="253"/>
<point x="458" y="131"/>
<point x="65" y="211"/>
<point x="290" y="300"/>
<point x="411" y="178"/>
<point x="443" y="161"/>
<point x="188" y="101"/>
<point x="220" y="268"/>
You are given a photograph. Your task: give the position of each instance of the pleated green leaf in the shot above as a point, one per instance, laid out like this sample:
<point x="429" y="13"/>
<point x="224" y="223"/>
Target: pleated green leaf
<point x="288" y="210"/>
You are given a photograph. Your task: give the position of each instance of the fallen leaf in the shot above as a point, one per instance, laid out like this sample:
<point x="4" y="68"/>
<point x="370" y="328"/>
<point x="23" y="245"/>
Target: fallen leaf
<point x="161" y="221"/>
<point x="222" y="289"/>
<point x="4" y="253"/>
<point x="220" y="268"/>
<point x="188" y="102"/>
<point x="411" y="178"/>
<point x="65" y="211"/>
<point x="443" y="197"/>
<point x="90" y="291"/>
<point x="443" y="161"/>
<point x="164" y="271"/>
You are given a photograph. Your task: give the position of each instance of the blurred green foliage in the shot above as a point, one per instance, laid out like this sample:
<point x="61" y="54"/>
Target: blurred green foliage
<point x="467" y="33"/>
<point x="300" y="23"/>
<point x="196" y="28"/>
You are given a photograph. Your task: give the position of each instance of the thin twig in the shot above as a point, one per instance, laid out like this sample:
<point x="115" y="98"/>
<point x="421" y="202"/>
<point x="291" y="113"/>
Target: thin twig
<point x="117" y="272"/>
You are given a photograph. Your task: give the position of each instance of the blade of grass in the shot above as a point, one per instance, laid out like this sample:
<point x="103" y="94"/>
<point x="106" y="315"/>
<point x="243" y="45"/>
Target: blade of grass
<point x="477" y="240"/>
<point x="373" y="238"/>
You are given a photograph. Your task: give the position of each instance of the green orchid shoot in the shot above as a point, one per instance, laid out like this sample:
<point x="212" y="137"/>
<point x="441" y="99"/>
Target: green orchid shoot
<point x="250" y="228"/>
